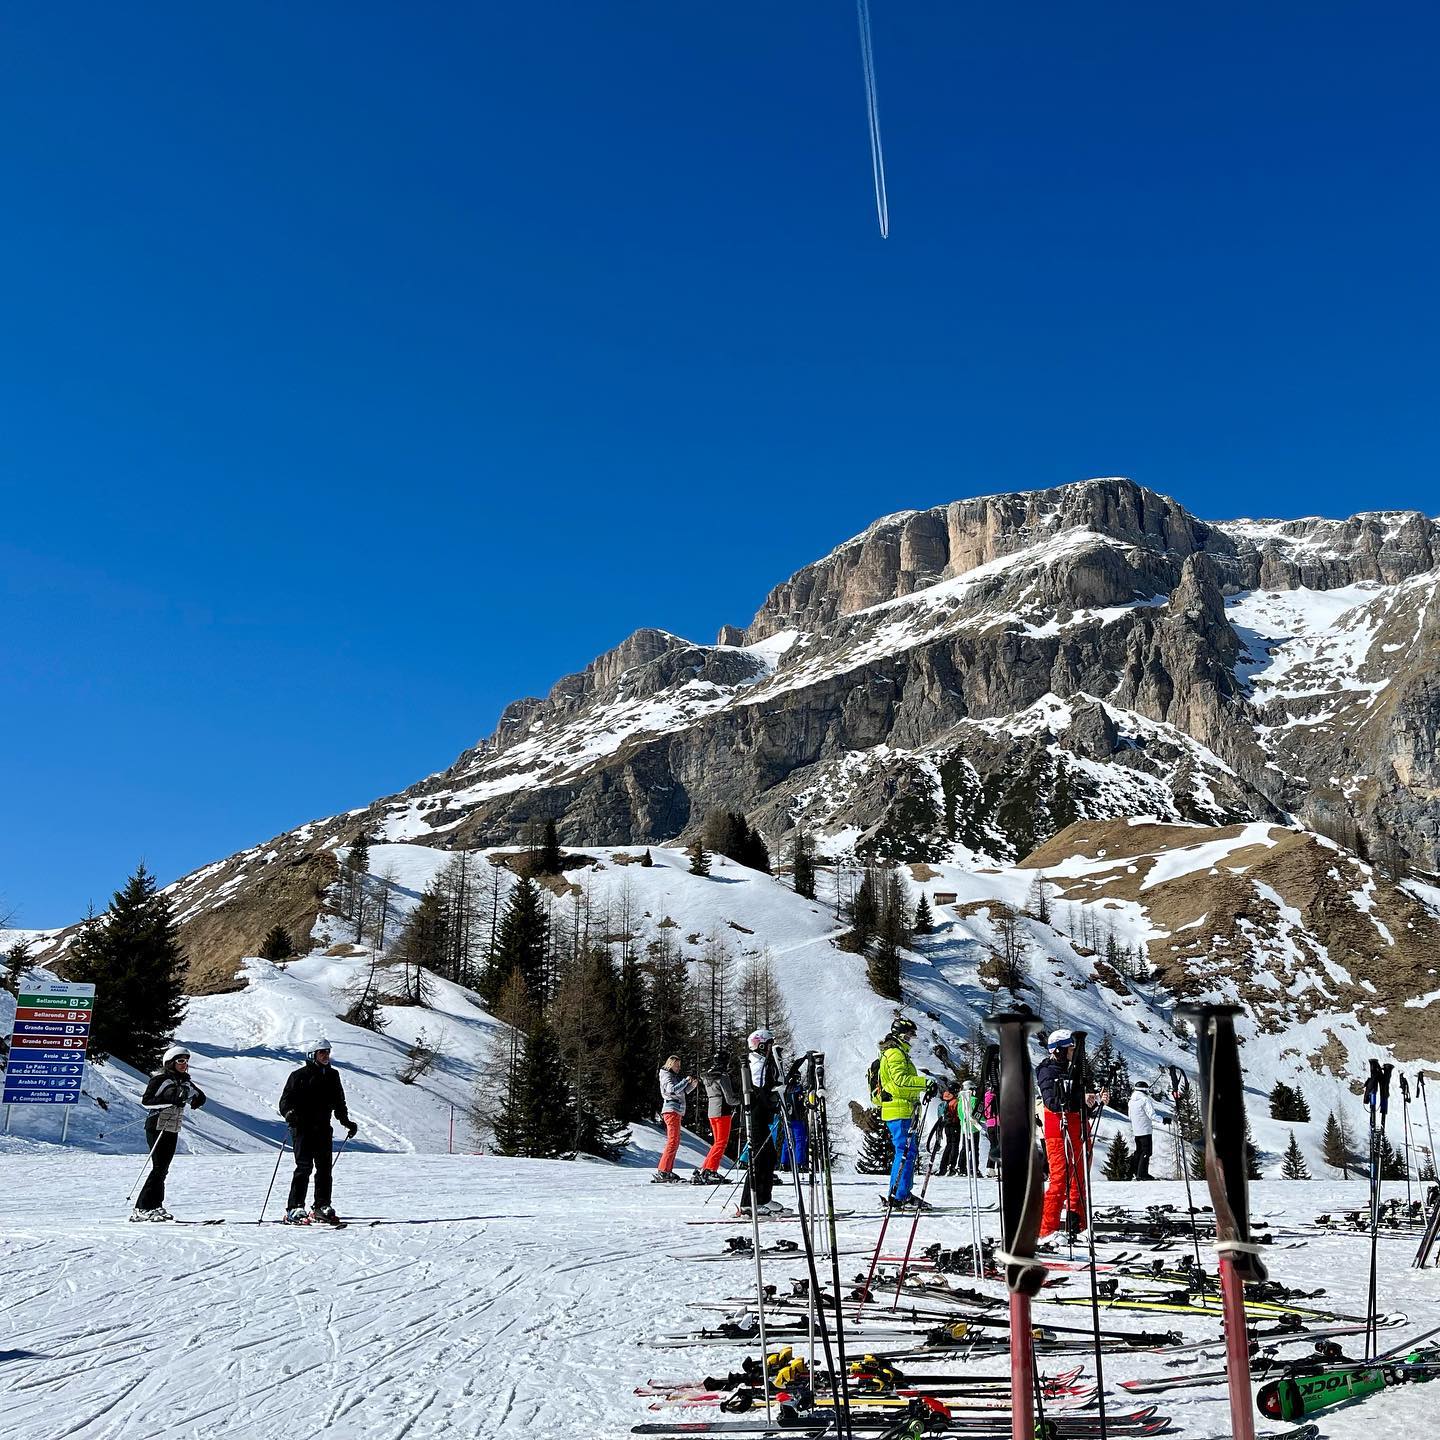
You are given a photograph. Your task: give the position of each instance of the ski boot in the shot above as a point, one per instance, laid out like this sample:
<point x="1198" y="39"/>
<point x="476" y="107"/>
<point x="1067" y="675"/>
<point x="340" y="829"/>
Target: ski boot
<point x="325" y="1215"/>
<point x="297" y="1216"/>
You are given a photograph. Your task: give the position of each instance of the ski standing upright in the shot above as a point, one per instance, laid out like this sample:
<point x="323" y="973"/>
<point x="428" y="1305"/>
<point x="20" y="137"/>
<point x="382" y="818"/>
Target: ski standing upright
<point x="1021" y="1200"/>
<point x="1222" y="1122"/>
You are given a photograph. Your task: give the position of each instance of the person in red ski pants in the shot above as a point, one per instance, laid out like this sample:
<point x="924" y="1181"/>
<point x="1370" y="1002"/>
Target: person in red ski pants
<point x="1068" y="1096"/>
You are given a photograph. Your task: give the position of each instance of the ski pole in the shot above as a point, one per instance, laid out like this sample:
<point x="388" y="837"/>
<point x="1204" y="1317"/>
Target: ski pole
<point x="1077" y="1071"/>
<point x="865" y="1294"/>
<point x="340" y="1152"/>
<point x="144" y="1169"/>
<point x="822" y="1113"/>
<point x="788" y="1122"/>
<point x="278" y="1154"/>
<point x="713" y="1188"/>
<point x="1378" y="1091"/>
<point x="915" y="1223"/>
<point x="1178" y="1086"/>
<point x="1405" y="1136"/>
<point x="753" y="1137"/>
<point x="1429" y="1133"/>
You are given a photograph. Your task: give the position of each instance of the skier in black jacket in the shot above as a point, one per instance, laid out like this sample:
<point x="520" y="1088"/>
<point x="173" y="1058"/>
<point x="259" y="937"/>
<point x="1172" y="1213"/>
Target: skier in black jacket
<point x="170" y="1090"/>
<point x="311" y="1095"/>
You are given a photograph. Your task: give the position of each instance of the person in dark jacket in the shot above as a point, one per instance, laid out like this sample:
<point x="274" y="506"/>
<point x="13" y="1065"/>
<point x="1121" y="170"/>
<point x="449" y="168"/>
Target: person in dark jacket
<point x="949" y="1127"/>
<point x="312" y="1094"/>
<point x="169" y="1093"/>
<point x="765" y="1080"/>
<point x="722" y="1100"/>
<point x="1069" y="1097"/>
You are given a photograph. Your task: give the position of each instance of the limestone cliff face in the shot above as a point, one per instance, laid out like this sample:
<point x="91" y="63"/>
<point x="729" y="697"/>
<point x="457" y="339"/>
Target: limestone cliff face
<point x="981" y="675"/>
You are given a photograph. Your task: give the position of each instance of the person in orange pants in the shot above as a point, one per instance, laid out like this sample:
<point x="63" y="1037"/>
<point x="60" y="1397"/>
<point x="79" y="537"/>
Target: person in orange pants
<point x="675" y="1090"/>
<point x="722" y="1101"/>
<point x="1067" y="1097"/>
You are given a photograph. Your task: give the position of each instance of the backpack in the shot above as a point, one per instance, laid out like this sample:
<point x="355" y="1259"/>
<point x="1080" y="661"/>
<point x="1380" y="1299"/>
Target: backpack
<point x="878" y="1096"/>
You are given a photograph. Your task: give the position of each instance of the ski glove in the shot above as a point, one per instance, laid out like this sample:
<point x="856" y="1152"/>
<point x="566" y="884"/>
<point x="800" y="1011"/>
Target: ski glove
<point x="931" y="1089"/>
<point x="352" y="1127"/>
<point x="196" y="1101"/>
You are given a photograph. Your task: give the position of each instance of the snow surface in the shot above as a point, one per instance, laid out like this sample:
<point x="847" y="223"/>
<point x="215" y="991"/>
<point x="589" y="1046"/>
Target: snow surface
<point x="523" y="1303"/>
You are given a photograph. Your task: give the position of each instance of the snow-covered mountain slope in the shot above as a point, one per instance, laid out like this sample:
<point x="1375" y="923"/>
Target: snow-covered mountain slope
<point x="1316" y="1003"/>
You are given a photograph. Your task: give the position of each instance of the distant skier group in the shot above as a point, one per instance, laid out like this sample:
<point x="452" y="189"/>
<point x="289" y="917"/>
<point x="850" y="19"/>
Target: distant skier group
<point x="312" y="1095"/>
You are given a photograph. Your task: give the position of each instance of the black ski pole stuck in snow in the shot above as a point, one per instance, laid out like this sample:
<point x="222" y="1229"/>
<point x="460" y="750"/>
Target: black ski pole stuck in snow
<point x="1222" y="1120"/>
<point x="1021" y="1199"/>
<point x="753" y="1138"/>
<point x="1082" y="1176"/>
<point x="822" y="1114"/>
<point x="1405" y="1136"/>
<point x="1429" y="1133"/>
<point x="817" y="1310"/>
<point x="271" y="1185"/>
<point x="1377" y="1097"/>
<point x="1179" y="1085"/>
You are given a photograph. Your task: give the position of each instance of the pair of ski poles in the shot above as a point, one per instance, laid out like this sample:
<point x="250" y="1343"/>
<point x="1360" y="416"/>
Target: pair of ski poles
<point x="279" y="1155"/>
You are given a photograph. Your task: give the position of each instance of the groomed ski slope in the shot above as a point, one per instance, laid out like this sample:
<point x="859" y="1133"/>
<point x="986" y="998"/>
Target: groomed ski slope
<point x="529" y="1314"/>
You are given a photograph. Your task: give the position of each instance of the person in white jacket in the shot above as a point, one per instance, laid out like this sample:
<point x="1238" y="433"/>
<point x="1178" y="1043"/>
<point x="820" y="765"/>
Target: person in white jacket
<point x="1142" y="1127"/>
<point x="675" y="1091"/>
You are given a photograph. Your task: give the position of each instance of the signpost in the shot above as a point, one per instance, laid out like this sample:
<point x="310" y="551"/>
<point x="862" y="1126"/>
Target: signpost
<point x="47" y="1046"/>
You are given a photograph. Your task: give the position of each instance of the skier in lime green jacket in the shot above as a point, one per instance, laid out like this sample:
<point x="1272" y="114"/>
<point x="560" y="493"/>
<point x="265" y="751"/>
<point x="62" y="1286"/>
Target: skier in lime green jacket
<point x="901" y="1087"/>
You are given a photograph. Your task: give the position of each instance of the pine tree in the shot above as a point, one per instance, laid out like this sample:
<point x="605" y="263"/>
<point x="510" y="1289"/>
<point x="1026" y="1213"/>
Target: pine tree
<point x="132" y="956"/>
<point x="1282" y="1102"/>
<point x="754" y="853"/>
<point x="802" y="865"/>
<point x="1337" y="1155"/>
<point x="1252" y="1157"/>
<point x="546" y="1121"/>
<point x="1037" y="902"/>
<point x="1293" y="1166"/>
<point x="586" y="1017"/>
<point x="520" y="945"/>
<point x="1392" y="1162"/>
<point x="352" y="875"/>
<point x="1301" y="1105"/>
<point x="646" y="860"/>
<point x="549" y="860"/>
<point x="877" y="1150"/>
<point x="637" y="1045"/>
<point x="424" y="945"/>
<point x="500" y="1094"/>
<point x="699" y="857"/>
<point x="277" y="944"/>
<point x="924" y="921"/>
<point x="1118" y="1159"/>
<point x="864" y="913"/>
<point x="18" y="959"/>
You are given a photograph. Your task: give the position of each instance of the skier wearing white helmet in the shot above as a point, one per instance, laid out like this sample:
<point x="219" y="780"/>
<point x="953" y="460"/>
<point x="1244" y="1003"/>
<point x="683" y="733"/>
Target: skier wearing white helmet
<point x="765" y="1081"/>
<point x="1067" y="1094"/>
<point x="166" y="1096"/>
<point x="312" y="1094"/>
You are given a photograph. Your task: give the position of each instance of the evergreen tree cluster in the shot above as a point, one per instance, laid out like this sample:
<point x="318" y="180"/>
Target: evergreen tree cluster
<point x="802" y="865"/>
<point x="1110" y="1070"/>
<point x="1288" y="1102"/>
<point x="882" y="924"/>
<point x="728" y="833"/>
<point x="1339" y="1145"/>
<point x="1118" y="1159"/>
<point x="589" y="1014"/>
<point x="133" y="957"/>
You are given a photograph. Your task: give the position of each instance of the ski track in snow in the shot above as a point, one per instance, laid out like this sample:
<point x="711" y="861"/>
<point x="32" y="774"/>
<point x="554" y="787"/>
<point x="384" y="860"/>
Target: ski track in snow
<point x="536" y="1323"/>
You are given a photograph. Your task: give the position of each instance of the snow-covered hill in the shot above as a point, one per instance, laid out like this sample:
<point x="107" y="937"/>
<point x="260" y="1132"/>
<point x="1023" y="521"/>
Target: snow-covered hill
<point x="246" y="1040"/>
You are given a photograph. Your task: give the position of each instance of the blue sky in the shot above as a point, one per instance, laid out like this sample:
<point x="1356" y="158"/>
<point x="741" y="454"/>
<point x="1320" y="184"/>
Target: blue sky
<point x="365" y="367"/>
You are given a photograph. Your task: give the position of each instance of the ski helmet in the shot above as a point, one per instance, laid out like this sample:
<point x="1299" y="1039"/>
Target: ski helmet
<point x="1142" y="1085"/>
<point x="902" y="1026"/>
<point x="318" y="1046"/>
<point x="175" y="1052"/>
<point x="760" y="1038"/>
<point x="1059" y="1040"/>
<point x="720" y="1060"/>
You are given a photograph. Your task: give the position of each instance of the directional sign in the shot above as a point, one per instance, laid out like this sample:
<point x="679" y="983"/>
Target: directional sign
<point x="47" y="1044"/>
